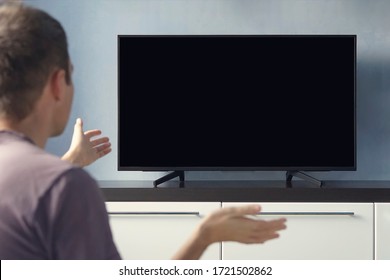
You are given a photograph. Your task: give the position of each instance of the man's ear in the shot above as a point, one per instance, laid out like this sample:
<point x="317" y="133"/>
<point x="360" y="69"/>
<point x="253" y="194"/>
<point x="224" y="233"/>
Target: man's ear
<point x="58" y="84"/>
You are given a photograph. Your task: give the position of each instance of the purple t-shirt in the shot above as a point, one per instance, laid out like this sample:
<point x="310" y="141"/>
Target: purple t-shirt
<point x="49" y="209"/>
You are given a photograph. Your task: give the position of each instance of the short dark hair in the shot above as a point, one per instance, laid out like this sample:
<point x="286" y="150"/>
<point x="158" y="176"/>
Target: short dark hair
<point x="32" y="45"/>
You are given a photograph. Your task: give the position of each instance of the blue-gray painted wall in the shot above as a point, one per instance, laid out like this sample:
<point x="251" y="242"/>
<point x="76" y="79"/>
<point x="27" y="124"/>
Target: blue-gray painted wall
<point x="93" y="25"/>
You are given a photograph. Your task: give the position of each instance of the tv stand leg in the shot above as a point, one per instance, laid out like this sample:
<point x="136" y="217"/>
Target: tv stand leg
<point x="303" y="176"/>
<point x="170" y="176"/>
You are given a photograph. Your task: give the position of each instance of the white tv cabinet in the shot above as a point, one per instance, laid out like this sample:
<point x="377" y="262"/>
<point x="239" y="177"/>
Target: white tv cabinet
<point x="342" y="220"/>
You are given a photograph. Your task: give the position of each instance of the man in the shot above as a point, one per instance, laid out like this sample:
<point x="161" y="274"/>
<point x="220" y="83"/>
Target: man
<point x="50" y="208"/>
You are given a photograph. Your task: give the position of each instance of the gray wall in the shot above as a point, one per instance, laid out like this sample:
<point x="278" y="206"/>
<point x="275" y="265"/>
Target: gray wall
<point x="93" y="25"/>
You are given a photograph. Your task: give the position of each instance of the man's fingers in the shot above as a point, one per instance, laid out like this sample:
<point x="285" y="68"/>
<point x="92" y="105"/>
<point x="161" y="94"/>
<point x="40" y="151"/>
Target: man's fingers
<point x="264" y="237"/>
<point x="104" y="152"/>
<point x="100" y="141"/>
<point x="103" y="147"/>
<point x="252" y="209"/>
<point x="92" y="133"/>
<point x="267" y="230"/>
<point x="270" y="226"/>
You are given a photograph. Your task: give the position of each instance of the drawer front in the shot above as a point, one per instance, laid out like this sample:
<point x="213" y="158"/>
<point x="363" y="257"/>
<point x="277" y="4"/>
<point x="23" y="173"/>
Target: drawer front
<point x="314" y="231"/>
<point x="382" y="231"/>
<point x="156" y="230"/>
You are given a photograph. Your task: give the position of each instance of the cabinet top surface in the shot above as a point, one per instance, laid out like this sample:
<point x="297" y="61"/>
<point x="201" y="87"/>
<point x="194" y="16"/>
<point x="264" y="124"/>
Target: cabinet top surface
<point x="247" y="191"/>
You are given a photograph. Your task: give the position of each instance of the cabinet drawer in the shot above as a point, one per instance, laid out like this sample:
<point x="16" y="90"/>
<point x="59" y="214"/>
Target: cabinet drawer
<point x="314" y="231"/>
<point x="156" y="230"/>
<point x="382" y="231"/>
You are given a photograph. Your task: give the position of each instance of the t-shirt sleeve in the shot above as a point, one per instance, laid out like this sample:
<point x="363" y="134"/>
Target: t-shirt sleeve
<point x="73" y="220"/>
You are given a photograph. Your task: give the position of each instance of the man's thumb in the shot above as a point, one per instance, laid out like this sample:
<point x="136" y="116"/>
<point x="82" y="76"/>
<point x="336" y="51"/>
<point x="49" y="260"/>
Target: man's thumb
<point x="78" y="127"/>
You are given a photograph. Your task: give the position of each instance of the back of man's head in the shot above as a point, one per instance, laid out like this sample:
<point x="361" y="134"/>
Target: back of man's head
<point x="32" y="45"/>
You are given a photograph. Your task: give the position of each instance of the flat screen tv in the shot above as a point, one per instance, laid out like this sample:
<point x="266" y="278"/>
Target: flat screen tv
<point x="237" y="102"/>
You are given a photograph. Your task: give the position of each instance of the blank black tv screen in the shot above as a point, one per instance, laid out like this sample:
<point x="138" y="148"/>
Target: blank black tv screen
<point x="237" y="102"/>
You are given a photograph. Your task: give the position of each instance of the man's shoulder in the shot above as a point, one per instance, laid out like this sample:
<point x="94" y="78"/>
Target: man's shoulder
<point x="20" y="155"/>
<point x="32" y="172"/>
<point x="76" y="176"/>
